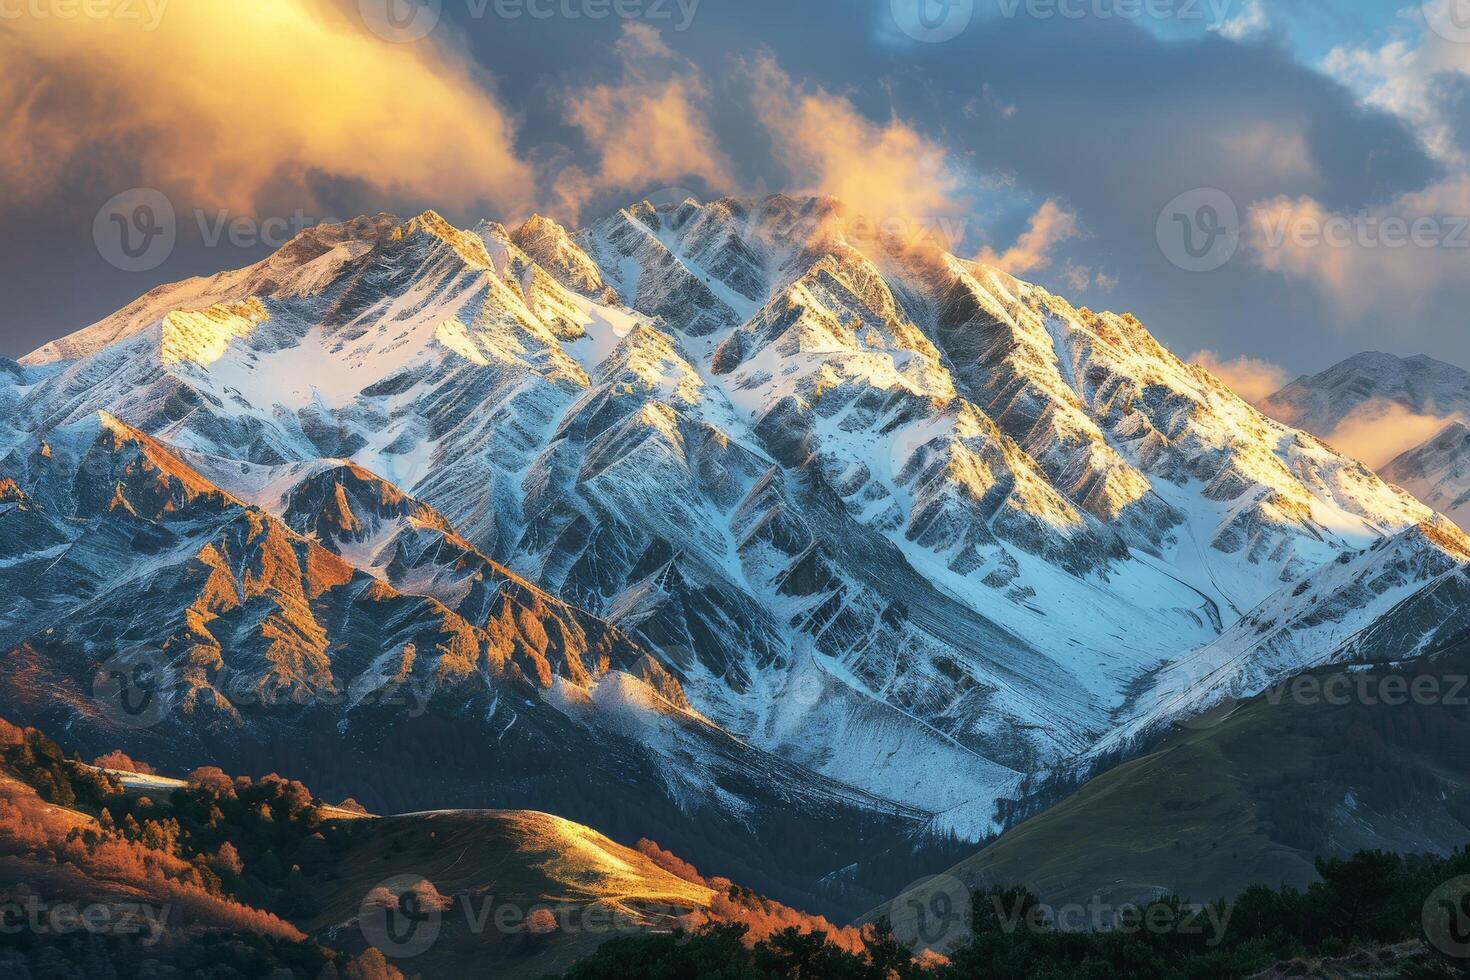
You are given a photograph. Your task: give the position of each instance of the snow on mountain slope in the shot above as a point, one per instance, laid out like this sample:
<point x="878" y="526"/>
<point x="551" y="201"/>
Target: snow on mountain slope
<point x="265" y="647"/>
<point x="1402" y="597"/>
<point x="1421" y="384"/>
<point x="1394" y="401"/>
<point x="902" y="519"/>
<point x="1438" y="472"/>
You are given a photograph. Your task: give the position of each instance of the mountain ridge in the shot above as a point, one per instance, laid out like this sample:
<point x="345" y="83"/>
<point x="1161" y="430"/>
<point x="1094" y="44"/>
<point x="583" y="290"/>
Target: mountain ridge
<point x="897" y="520"/>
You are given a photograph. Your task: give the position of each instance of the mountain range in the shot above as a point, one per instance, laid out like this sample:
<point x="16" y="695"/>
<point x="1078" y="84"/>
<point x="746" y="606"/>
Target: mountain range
<point x="1398" y="400"/>
<point x="720" y="523"/>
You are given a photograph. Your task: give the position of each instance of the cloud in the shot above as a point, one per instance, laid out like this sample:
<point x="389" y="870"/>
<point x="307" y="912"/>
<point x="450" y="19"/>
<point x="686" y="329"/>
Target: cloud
<point x="1049" y="227"/>
<point x="1249" y="24"/>
<point x="887" y="173"/>
<point x="1394" y="257"/>
<point x="1404" y="76"/>
<point x="226" y="99"/>
<point x="1271" y="149"/>
<point x="1379" y="431"/>
<point x="1253" y="379"/>
<point x="649" y="127"/>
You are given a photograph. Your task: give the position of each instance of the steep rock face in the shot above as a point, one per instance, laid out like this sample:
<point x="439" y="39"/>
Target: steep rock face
<point x="147" y="608"/>
<point x="904" y="520"/>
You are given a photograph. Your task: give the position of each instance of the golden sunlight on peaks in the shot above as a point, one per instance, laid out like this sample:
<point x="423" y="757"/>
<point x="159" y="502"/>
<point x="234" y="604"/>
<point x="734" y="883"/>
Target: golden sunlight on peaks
<point x="202" y="338"/>
<point x="227" y="98"/>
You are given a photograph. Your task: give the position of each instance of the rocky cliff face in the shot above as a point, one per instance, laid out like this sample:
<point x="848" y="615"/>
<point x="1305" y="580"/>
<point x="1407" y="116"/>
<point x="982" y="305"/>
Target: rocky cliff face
<point x="890" y="521"/>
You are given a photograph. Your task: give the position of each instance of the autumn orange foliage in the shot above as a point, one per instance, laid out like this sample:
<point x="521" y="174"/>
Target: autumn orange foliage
<point x="763" y="917"/>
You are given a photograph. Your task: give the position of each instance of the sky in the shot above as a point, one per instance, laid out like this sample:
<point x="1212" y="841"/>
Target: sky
<point x="1269" y="185"/>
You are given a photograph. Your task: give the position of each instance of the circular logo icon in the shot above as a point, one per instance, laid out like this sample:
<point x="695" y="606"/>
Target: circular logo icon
<point x="933" y="914"/>
<point x="396" y="918"/>
<point x="1446" y="918"/>
<point x="136" y="231"/>
<point x="1450" y="19"/>
<point x="933" y="21"/>
<point x="1199" y="230"/>
<point x="401" y="21"/>
<point x="133" y="688"/>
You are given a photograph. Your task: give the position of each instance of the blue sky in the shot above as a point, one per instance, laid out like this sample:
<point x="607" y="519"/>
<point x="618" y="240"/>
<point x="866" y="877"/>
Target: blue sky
<point x="1055" y="143"/>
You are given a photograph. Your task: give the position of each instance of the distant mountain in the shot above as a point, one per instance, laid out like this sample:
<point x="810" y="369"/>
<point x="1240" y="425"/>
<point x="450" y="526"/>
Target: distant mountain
<point x="1438" y="472"/>
<point x="1386" y="404"/>
<point x="1422" y="385"/>
<point x="724" y="506"/>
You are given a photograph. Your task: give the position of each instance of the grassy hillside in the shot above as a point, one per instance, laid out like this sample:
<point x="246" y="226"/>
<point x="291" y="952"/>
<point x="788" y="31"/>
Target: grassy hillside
<point x="262" y="872"/>
<point x="493" y="871"/>
<point x="1332" y="763"/>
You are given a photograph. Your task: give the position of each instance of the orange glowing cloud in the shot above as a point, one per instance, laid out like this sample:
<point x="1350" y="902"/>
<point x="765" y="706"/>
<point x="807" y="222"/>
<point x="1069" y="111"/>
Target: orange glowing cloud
<point x="1049" y="227"/>
<point x="1379" y="431"/>
<point x="648" y="128"/>
<point x="1252" y="379"/>
<point x="222" y="99"/>
<point x="888" y="173"/>
<point x="1387" y="259"/>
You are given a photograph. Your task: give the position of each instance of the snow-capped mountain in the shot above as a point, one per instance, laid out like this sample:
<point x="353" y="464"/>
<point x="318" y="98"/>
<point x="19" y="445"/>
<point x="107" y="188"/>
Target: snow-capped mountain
<point x="1397" y="399"/>
<point x="896" y="519"/>
<point x="1371" y="382"/>
<point x="1438" y="472"/>
<point x="352" y="637"/>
